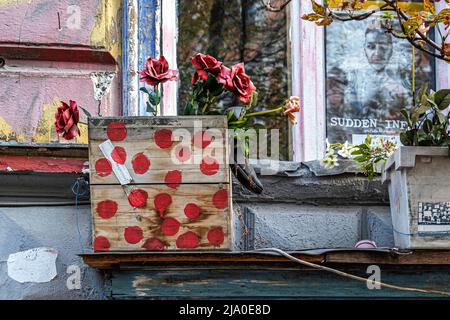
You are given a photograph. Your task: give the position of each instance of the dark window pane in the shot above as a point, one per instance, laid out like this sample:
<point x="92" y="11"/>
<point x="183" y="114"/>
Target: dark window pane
<point x="369" y="80"/>
<point x="238" y="31"/>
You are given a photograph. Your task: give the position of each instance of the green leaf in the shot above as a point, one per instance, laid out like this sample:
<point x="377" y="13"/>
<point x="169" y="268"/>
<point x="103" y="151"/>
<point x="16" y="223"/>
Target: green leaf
<point x="442" y="99"/>
<point x="87" y="113"/>
<point x="427" y="126"/>
<point x="317" y="8"/>
<point x="405" y="115"/>
<point x="361" y="158"/>
<point x="144" y="89"/>
<point x="150" y="108"/>
<point x="153" y="98"/>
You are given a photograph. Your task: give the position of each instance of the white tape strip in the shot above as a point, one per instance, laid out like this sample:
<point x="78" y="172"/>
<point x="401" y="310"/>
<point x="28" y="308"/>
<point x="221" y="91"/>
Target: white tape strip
<point x="119" y="170"/>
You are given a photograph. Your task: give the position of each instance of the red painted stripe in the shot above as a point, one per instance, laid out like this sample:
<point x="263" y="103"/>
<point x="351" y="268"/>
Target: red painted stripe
<point x="41" y="164"/>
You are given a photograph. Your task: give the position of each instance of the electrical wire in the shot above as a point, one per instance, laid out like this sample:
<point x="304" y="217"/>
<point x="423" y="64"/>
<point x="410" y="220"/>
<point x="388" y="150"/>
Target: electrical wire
<point x="348" y="275"/>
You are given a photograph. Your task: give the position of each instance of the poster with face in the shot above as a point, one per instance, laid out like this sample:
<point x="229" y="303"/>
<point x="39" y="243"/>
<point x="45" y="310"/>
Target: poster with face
<point x="368" y="80"/>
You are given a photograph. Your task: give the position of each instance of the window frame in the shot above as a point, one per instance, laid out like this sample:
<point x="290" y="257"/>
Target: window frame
<point x="307" y="47"/>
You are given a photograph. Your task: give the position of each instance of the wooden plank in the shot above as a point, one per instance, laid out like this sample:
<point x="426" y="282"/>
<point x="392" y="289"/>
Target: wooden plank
<point x="164" y="122"/>
<point x="105" y="260"/>
<point x="141" y="138"/>
<point x="151" y="222"/>
<point x="161" y="161"/>
<point x="269" y="283"/>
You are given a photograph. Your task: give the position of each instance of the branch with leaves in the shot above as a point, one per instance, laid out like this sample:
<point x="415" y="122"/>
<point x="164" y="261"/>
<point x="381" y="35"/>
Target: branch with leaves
<point x="415" y="25"/>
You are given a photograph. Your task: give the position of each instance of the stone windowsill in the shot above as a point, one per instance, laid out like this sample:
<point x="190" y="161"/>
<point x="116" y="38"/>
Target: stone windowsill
<point x="292" y="182"/>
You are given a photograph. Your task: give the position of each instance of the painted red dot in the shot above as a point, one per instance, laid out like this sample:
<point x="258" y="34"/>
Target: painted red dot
<point x="162" y="201"/>
<point x="209" y="166"/>
<point x="220" y="199"/>
<point x="216" y="236"/>
<point x="138" y="198"/>
<point x="103" y="167"/>
<point x="183" y="153"/>
<point x="140" y="163"/>
<point x="173" y="179"/>
<point x="101" y="243"/>
<point x="119" y="155"/>
<point x="153" y="244"/>
<point x="170" y="226"/>
<point x="192" y="211"/>
<point x="188" y="240"/>
<point x="116" y="131"/>
<point x="107" y="209"/>
<point x="133" y="235"/>
<point x="202" y="139"/>
<point x="163" y="138"/>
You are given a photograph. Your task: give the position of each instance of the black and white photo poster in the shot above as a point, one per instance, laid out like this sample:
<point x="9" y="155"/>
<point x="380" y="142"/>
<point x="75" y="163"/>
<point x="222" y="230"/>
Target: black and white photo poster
<point x="368" y="80"/>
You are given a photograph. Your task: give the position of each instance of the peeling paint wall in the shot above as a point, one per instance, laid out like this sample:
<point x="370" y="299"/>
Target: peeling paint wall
<point x="51" y="48"/>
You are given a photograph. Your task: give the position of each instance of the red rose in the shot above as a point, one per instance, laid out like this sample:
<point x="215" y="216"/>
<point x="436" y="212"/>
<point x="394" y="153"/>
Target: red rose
<point x="239" y="83"/>
<point x="67" y="118"/>
<point x="206" y="64"/>
<point x="157" y="71"/>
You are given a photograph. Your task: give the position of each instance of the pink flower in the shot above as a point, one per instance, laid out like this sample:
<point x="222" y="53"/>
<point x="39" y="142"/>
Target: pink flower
<point x="157" y="71"/>
<point x="67" y="118"/>
<point x="205" y="65"/>
<point x="239" y="83"/>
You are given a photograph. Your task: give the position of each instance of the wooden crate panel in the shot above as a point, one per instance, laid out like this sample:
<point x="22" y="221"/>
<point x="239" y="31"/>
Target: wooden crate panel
<point x="198" y="218"/>
<point x="150" y="147"/>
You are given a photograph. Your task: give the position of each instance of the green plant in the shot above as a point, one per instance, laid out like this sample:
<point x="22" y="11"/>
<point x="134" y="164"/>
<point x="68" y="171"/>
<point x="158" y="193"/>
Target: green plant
<point x="368" y="153"/>
<point x="427" y="121"/>
<point x="428" y="125"/>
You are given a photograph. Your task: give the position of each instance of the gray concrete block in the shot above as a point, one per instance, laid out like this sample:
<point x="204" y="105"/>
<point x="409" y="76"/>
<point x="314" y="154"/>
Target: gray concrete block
<point x="379" y="224"/>
<point x="297" y="227"/>
<point x="55" y="227"/>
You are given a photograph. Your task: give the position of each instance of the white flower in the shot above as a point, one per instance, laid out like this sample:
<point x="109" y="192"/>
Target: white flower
<point x="330" y="161"/>
<point x="346" y="150"/>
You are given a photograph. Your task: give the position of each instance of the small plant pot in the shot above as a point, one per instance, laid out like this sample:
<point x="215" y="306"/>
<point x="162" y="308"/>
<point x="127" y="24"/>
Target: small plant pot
<point x="419" y="191"/>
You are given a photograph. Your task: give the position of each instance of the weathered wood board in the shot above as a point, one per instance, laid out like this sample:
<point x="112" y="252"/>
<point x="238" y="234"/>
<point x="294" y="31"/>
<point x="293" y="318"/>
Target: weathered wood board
<point x="179" y="197"/>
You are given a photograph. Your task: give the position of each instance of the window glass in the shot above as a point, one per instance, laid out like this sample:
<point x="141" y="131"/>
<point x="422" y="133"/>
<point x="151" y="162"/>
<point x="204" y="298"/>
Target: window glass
<point x="238" y="31"/>
<point x="369" y="80"/>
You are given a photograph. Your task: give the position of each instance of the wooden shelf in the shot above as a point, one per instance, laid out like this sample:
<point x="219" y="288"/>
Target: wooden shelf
<point x="112" y="260"/>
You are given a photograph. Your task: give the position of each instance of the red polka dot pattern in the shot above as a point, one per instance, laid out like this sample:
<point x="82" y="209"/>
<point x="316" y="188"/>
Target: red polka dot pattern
<point x="192" y="211"/>
<point x="103" y="167"/>
<point x="116" y="131"/>
<point x="216" y="236"/>
<point x="170" y="226"/>
<point x="220" y="199"/>
<point x="188" y="240"/>
<point x="107" y="209"/>
<point x="153" y="244"/>
<point x="163" y="138"/>
<point x="101" y="243"/>
<point x="138" y="198"/>
<point x="119" y="155"/>
<point x="140" y="163"/>
<point x="173" y="179"/>
<point x="133" y="235"/>
<point x="209" y="166"/>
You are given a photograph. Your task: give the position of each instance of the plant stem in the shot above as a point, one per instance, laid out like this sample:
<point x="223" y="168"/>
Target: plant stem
<point x="263" y="112"/>
<point x="156" y="90"/>
<point x="413" y="75"/>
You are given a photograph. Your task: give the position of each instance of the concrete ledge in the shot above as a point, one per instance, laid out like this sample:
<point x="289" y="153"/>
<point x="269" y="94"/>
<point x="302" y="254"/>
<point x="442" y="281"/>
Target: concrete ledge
<point x="297" y="183"/>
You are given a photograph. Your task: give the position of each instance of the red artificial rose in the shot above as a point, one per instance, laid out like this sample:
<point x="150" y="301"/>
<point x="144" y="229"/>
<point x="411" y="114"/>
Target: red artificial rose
<point x="206" y="64"/>
<point x="157" y="71"/>
<point x="67" y="118"/>
<point x="239" y="83"/>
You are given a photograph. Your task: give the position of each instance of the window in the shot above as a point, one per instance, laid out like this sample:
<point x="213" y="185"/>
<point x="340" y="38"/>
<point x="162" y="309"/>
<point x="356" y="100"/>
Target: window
<point x="286" y="55"/>
<point x="238" y="31"/>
